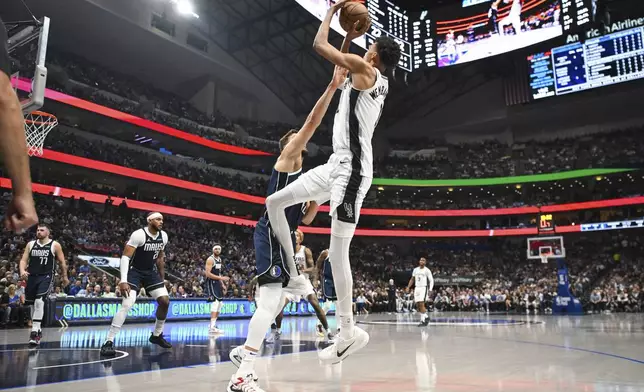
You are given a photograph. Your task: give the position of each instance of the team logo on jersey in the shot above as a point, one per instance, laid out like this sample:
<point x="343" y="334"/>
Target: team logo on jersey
<point x="348" y="208"/>
<point x="276" y="271"/>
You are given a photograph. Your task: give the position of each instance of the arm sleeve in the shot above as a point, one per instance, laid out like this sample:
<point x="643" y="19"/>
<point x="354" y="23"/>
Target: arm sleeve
<point x="430" y="278"/>
<point x="137" y="239"/>
<point x="164" y="236"/>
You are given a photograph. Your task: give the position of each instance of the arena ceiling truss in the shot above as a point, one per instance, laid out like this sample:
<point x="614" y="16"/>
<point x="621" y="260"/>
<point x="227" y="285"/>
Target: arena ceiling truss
<point x="273" y="40"/>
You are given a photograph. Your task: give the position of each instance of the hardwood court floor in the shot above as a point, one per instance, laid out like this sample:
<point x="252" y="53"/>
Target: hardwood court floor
<point x="457" y="352"/>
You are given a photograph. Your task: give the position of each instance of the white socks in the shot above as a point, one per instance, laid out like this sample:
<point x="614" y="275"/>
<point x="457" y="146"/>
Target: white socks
<point x="158" y="327"/>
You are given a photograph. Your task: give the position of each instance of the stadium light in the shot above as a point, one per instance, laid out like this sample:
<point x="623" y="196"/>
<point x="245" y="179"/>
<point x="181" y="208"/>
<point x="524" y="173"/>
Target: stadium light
<point x="185" y="7"/>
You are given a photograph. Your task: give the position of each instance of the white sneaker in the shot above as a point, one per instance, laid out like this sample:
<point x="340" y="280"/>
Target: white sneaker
<point x="246" y="384"/>
<point x="237" y="356"/>
<point x="215" y="331"/>
<point x="341" y="348"/>
<point x="273" y="336"/>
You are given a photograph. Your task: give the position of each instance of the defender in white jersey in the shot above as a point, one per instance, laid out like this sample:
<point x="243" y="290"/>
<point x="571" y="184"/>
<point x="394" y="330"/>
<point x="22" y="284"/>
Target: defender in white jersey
<point x="423" y="282"/>
<point x="346" y="177"/>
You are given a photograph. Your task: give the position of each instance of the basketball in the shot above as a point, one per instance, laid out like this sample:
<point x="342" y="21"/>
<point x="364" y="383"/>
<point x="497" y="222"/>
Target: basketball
<point x="351" y="13"/>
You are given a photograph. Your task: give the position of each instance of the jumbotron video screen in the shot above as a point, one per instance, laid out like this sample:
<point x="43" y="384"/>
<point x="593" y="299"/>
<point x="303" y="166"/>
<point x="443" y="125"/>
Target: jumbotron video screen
<point x="497" y="27"/>
<point x="462" y="32"/>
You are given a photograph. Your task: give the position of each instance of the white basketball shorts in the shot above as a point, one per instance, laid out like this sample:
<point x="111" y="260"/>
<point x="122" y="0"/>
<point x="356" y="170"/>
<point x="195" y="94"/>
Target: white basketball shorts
<point x="298" y="288"/>
<point x="421" y="294"/>
<point x="341" y="183"/>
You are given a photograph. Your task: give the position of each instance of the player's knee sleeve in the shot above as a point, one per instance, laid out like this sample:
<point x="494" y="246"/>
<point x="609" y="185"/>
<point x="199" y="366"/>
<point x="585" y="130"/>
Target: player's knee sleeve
<point x="160" y="292"/>
<point x="215" y="306"/>
<point x="128" y="302"/>
<point x="272" y="298"/>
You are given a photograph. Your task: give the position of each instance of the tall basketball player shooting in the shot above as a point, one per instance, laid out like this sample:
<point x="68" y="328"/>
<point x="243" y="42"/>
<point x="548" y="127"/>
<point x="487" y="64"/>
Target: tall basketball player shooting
<point x="273" y="269"/>
<point x="20" y="213"/>
<point x="38" y="266"/>
<point x="346" y="177"/>
<point x="143" y="252"/>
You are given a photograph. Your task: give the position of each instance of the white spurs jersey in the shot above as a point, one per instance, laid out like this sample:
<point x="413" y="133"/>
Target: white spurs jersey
<point x="356" y="119"/>
<point x="300" y="260"/>
<point x="423" y="277"/>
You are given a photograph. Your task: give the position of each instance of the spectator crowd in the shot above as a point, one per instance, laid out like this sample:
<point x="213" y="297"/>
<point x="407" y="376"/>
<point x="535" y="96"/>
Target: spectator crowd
<point x="606" y="271"/>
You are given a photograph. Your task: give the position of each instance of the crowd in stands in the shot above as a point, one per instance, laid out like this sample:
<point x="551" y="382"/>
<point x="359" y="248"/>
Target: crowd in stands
<point x="602" y="265"/>
<point x="407" y="198"/>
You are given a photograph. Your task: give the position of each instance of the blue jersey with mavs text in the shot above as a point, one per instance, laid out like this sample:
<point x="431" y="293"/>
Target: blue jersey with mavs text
<point x="279" y="181"/>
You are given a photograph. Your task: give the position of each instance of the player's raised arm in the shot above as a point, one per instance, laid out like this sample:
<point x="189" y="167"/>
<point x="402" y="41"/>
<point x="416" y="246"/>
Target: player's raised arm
<point x="354" y="63"/>
<point x="295" y="146"/>
<point x="60" y="257"/>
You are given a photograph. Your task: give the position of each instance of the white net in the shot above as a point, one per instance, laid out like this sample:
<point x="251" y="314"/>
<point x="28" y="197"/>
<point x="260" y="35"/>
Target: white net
<point x="37" y="126"/>
<point x="544" y="257"/>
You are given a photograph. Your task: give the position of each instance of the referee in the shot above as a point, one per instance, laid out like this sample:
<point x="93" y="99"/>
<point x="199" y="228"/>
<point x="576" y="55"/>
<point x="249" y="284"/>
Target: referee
<point x="20" y="213"/>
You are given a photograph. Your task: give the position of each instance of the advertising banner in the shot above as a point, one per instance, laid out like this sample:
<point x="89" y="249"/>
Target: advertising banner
<point x="463" y="280"/>
<point x="101" y="261"/>
<point x="100" y="311"/>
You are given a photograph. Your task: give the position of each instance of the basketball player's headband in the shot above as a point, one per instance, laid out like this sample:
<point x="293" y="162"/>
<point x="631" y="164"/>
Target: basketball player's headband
<point x="154" y="215"/>
<point x="217" y="246"/>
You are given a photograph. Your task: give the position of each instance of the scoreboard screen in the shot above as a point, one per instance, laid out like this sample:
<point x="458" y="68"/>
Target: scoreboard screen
<point x="465" y="31"/>
<point x="387" y="19"/>
<point x="601" y="61"/>
<point x="575" y="14"/>
<point x="546" y="223"/>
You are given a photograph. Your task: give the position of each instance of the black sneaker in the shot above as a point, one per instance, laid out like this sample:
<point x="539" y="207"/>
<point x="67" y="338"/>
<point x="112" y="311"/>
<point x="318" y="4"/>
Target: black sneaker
<point x="34" y="338"/>
<point x="424" y="323"/>
<point x="107" y="349"/>
<point x="160" y="341"/>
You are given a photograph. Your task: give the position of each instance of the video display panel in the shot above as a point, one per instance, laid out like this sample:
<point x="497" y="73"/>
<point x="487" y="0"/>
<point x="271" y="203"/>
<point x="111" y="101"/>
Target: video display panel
<point x="506" y="26"/>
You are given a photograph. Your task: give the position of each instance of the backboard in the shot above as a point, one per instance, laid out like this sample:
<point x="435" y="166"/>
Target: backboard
<point x="540" y="247"/>
<point x="28" y="49"/>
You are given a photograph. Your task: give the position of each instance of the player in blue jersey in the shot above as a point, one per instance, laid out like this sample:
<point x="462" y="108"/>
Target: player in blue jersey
<point x="215" y="287"/>
<point x="273" y="270"/>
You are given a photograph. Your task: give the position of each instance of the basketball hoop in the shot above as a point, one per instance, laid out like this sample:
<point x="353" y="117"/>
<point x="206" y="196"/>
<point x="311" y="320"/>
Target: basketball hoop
<point x="545" y="256"/>
<point x="37" y="126"/>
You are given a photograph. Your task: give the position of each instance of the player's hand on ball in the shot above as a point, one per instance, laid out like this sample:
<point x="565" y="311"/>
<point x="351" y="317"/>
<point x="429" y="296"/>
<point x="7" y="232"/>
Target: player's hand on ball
<point x="125" y="289"/>
<point x="339" y="4"/>
<point x="357" y="30"/>
<point x="339" y="76"/>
